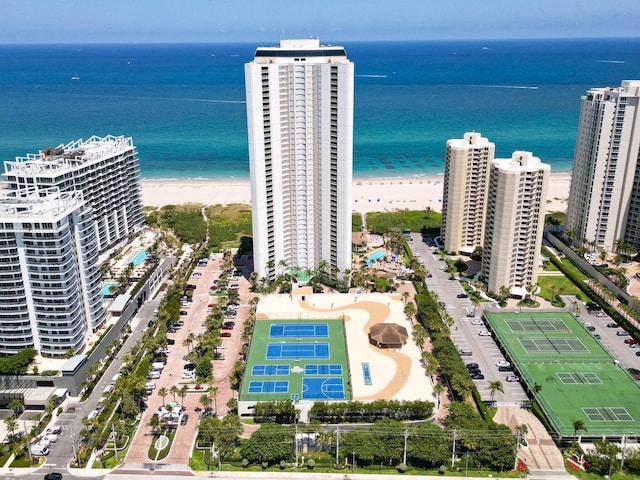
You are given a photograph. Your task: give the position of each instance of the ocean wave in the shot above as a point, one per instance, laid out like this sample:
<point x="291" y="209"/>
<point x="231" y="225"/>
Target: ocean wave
<point x="206" y="100"/>
<point x="371" y="76"/>
<point x="609" y="61"/>
<point x="522" y="87"/>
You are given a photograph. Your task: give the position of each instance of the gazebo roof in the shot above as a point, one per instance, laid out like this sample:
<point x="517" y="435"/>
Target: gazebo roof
<point x="388" y="333"/>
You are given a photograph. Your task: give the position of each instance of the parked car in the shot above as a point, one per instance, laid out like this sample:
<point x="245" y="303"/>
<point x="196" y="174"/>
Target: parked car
<point x="53" y="476"/>
<point x="476" y="321"/>
<point x="622" y="333"/>
<point x="484" y="333"/>
<point x="477" y="376"/>
<point x="184" y="419"/>
<point x="184" y="312"/>
<point x="613" y="325"/>
<point x="472" y="366"/>
<point x="630" y="341"/>
<point x="502" y="363"/>
<point x="230" y="323"/>
<point x="601" y="315"/>
<point x="505" y="369"/>
<point x="512" y="378"/>
<point x="462" y="295"/>
<point x="227" y="327"/>
<point x="225" y="334"/>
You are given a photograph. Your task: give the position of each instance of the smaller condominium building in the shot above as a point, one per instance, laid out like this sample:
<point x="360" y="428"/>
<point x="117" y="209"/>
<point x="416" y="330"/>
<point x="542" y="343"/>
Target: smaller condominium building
<point x="604" y="201"/>
<point x="49" y="278"/>
<point x="107" y="172"/>
<point x="514" y="222"/>
<point x="466" y="179"/>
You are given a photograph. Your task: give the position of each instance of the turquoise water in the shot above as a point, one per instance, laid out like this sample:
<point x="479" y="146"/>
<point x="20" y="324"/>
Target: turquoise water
<point x="106" y="288"/>
<point x="374" y="257"/>
<point x="139" y="258"/>
<point x="184" y="105"/>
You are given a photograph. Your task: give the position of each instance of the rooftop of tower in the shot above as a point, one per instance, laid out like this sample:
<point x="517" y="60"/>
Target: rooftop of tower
<point x="53" y="161"/>
<point x="298" y="48"/>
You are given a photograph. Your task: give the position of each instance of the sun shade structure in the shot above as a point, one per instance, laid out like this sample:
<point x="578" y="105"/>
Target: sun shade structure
<point x="388" y="335"/>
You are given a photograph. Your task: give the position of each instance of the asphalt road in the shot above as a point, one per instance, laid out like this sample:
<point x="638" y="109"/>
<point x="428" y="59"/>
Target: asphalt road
<point x="70" y="420"/>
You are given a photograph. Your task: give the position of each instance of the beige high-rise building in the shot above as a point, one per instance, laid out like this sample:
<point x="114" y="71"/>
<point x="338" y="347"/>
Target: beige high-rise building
<point x="604" y="202"/>
<point x="466" y="178"/>
<point x="514" y="222"/>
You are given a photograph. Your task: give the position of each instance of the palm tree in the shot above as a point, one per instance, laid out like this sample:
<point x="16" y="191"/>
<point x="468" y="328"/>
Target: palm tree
<point x="205" y="400"/>
<point x="183" y="394"/>
<point x="11" y="424"/>
<point x="17" y="406"/>
<point x="410" y="310"/>
<point x="162" y="391"/>
<point x="577" y="426"/>
<point x="213" y="393"/>
<point x="405" y="297"/>
<point x="174" y="391"/>
<point x="495" y="386"/>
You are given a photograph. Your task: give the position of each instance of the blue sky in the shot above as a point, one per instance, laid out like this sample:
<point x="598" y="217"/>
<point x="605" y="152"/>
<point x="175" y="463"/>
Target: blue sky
<point x="82" y="21"/>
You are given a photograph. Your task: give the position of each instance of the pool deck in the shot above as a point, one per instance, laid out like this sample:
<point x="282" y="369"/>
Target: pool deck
<point x="395" y="373"/>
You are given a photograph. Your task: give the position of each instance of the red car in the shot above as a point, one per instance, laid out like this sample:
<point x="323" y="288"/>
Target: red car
<point x="630" y="341"/>
<point x="225" y="334"/>
<point x="227" y="327"/>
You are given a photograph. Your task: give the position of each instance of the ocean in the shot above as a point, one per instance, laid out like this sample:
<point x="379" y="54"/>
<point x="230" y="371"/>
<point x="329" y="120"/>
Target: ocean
<point x="183" y="104"/>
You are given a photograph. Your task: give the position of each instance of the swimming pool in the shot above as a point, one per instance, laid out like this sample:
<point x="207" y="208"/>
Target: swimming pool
<point x="106" y="290"/>
<point x="374" y="257"/>
<point x="139" y="258"/>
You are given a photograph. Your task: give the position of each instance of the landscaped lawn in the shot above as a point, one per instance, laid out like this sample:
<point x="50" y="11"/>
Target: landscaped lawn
<point x="562" y="283"/>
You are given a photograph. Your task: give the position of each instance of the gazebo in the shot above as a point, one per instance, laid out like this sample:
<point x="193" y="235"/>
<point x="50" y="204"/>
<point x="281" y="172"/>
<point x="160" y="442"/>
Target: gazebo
<point x="388" y="335"/>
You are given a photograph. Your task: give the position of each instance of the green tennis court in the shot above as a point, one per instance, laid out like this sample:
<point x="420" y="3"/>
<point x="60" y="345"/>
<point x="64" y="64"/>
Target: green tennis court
<point x="297" y="360"/>
<point x="575" y="377"/>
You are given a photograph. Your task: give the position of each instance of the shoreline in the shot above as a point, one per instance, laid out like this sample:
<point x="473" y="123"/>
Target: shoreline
<point x="370" y="194"/>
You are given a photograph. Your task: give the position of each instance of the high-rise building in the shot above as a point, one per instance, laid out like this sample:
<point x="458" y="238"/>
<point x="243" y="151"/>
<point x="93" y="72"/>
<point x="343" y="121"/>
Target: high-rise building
<point x="514" y="222"/>
<point x="50" y="281"/>
<point x="300" y="123"/>
<point x="604" y="202"/>
<point x="466" y="180"/>
<point x="105" y="170"/>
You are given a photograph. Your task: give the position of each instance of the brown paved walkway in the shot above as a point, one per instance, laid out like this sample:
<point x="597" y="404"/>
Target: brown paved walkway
<point x="185" y="436"/>
<point x="542" y="453"/>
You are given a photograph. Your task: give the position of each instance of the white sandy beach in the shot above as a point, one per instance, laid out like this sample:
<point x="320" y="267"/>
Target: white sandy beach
<point x="369" y="194"/>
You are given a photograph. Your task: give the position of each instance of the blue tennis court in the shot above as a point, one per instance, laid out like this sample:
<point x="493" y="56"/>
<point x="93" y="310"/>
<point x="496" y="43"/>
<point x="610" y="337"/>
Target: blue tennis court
<point x="266" y="370"/>
<point x="299" y="330"/>
<point x="297" y="351"/>
<point x="323" y="388"/>
<point x="268" y="387"/>
<point x="320" y="369"/>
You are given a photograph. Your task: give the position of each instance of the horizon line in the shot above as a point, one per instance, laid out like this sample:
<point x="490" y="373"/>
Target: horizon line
<point x="253" y="42"/>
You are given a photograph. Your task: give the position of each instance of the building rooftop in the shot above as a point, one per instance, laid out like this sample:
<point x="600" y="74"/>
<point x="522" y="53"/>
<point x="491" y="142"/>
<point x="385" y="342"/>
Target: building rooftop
<point x="54" y="161"/>
<point x="37" y="202"/>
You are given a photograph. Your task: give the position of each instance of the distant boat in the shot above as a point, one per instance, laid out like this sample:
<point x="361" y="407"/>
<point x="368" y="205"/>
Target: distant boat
<point x="75" y="77"/>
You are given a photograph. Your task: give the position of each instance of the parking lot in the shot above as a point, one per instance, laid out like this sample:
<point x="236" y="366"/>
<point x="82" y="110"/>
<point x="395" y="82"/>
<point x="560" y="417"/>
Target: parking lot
<point x="466" y="329"/>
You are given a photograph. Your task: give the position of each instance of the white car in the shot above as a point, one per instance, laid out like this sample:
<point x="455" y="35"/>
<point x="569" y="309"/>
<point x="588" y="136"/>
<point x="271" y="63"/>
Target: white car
<point x="601" y="314"/>
<point x="476" y="321"/>
<point x="484" y="333"/>
<point x="512" y="378"/>
<point x="221" y="346"/>
<point x="502" y="363"/>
